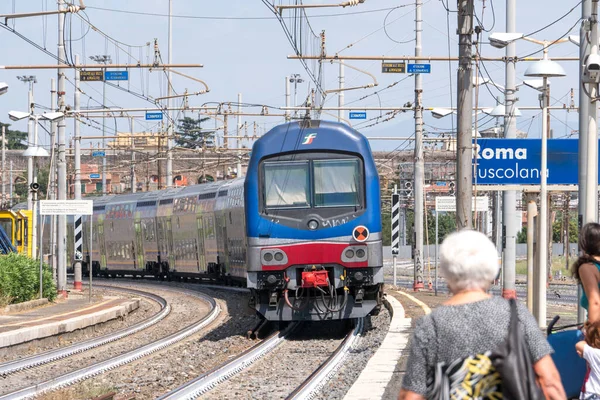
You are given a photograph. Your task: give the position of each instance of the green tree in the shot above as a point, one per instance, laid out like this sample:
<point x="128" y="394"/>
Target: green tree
<point x="557" y="226"/>
<point x="191" y="135"/>
<point x="522" y="235"/>
<point x="14" y="139"/>
<point x="22" y="187"/>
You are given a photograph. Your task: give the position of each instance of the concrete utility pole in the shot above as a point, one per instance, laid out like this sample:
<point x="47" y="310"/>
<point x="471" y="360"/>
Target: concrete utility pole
<point x="3" y="204"/>
<point x="170" y="93"/>
<point x="531" y="214"/>
<point x="10" y="186"/>
<point x="587" y="186"/>
<point x="133" y="180"/>
<point x="239" y="137"/>
<point x="464" y="171"/>
<point x="52" y="179"/>
<point x="61" y="163"/>
<point x="103" y="59"/>
<point x="584" y="105"/>
<point x="77" y="285"/>
<point x="419" y="164"/>
<point x="30" y="123"/>
<point x="341" y="93"/>
<point x="509" y="203"/>
<point x="287" y="98"/>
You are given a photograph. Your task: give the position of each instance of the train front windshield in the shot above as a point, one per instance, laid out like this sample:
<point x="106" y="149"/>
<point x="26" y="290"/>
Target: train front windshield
<point x="313" y="183"/>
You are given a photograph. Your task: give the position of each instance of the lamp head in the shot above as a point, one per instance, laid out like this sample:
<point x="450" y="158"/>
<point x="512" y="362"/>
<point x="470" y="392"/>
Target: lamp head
<point x="17" y="115"/>
<point x="545" y="69"/>
<point x="500" y="40"/>
<point x="3" y="87"/>
<point x="440" y="112"/>
<point x="52" y="116"/>
<point x="35" y="151"/>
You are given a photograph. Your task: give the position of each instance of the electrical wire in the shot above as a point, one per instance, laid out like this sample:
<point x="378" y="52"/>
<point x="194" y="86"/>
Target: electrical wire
<point x="555" y="21"/>
<point x="386" y="32"/>
<point x="236" y="18"/>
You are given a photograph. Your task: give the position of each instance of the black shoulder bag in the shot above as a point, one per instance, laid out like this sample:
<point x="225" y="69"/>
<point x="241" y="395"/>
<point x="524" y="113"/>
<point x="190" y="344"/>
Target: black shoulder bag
<point x="513" y="362"/>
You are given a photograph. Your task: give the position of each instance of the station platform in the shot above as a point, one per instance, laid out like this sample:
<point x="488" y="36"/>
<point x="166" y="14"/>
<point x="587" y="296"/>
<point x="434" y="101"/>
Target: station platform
<point x="65" y="315"/>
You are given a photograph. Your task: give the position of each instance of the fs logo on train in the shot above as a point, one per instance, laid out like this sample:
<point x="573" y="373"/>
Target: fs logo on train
<point x="308" y="139"/>
<point x="360" y="233"/>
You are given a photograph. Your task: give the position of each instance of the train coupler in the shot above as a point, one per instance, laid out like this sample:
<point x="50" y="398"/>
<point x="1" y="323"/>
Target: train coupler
<point x="313" y="279"/>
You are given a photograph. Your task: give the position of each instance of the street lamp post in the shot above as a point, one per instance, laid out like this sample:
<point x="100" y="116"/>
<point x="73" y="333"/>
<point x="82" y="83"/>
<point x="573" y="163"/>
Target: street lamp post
<point x="296" y="79"/>
<point x="544" y="69"/>
<point x="31" y="153"/>
<point x="3" y="89"/>
<point x="103" y="59"/>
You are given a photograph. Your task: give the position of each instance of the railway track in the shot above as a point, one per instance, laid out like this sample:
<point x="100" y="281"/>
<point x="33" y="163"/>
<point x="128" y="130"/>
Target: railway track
<point x="206" y="382"/>
<point x="11" y="367"/>
<point x="122" y="359"/>
<point x="221" y="375"/>
<point x="317" y="380"/>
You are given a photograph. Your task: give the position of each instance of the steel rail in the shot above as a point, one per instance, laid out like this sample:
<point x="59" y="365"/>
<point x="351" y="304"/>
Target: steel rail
<point x="209" y="380"/>
<point x="319" y="378"/>
<point x="114" y="362"/>
<point x="54" y="355"/>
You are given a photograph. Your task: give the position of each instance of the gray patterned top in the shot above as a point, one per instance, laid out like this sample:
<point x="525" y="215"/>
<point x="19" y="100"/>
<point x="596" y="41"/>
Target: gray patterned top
<point x="451" y="332"/>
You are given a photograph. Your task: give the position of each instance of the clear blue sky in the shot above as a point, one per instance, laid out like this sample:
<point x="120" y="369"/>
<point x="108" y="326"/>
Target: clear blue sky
<point x="249" y="56"/>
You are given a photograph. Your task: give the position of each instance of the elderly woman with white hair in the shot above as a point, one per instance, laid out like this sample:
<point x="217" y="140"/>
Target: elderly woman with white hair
<point x="458" y="336"/>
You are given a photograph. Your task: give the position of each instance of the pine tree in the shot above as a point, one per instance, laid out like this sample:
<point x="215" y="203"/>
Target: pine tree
<point x="191" y="135"/>
<point x="14" y="139"/>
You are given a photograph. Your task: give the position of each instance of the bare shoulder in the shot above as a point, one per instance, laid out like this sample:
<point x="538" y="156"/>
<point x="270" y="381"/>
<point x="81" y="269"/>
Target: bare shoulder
<point x="590" y="270"/>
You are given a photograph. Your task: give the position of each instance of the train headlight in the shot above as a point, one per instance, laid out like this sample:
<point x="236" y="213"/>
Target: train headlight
<point x="358" y="276"/>
<point x="268" y="257"/>
<point x="360" y="253"/>
<point x="313" y="224"/>
<point x="278" y="256"/>
<point x="349" y="253"/>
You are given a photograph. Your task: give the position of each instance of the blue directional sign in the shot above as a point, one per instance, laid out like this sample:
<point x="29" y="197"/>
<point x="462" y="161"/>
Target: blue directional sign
<point x="94" y="176"/>
<point x="419" y="68"/>
<point x="518" y="161"/>
<point x="116" y="75"/>
<point x="154" y="116"/>
<point x="440" y="183"/>
<point x="358" y="115"/>
<point x="98" y="154"/>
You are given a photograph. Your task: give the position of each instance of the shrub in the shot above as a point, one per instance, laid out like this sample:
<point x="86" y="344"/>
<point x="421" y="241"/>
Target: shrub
<point x="20" y="279"/>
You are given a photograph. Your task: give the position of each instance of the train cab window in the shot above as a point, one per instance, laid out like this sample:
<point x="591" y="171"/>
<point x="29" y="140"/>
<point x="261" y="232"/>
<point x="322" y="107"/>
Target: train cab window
<point x="7" y="225"/>
<point x="287" y="184"/>
<point x="336" y="183"/>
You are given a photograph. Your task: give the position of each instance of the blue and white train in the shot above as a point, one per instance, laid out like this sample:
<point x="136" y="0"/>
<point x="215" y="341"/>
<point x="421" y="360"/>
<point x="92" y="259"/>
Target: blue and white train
<point x="302" y="231"/>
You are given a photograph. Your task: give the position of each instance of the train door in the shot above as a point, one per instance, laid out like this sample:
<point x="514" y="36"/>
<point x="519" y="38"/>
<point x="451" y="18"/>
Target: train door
<point x="138" y="247"/>
<point x="200" y="244"/>
<point x="169" y="241"/>
<point x="102" y="244"/>
<point x="224" y="254"/>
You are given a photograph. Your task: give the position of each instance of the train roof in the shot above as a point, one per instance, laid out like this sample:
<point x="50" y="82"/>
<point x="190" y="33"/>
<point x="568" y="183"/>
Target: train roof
<point x="310" y="135"/>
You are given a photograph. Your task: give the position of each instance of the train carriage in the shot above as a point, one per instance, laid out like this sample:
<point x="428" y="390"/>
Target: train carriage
<point x="302" y="230"/>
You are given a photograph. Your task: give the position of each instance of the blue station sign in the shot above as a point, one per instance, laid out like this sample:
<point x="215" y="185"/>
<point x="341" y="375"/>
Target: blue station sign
<point x="358" y="115"/>
<point x="116" y="75"/>
<point x="518" y="161"/>
<point x="419" y="68"/>
<point x="98" y="154"/>
<point x="154" y="116"/>
<point x="94" y="176"/>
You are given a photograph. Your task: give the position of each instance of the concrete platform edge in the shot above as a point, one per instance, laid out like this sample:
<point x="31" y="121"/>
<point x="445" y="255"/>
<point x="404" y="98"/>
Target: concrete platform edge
<point x="26" y="305"/>
<point x="27" y="334"/>
<point x="373" y="380"/>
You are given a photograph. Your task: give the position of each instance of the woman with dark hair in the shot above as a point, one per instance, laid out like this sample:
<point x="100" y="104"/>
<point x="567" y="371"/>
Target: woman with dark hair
<point x="587" y="269"/>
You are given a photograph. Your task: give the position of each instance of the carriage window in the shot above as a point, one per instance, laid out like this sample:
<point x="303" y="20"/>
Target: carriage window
<point x="286" y="184"/>
<point x="336" y="183"/>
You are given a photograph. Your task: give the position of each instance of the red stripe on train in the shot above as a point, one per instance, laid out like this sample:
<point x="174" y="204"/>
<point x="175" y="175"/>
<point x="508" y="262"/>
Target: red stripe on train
<point x="313" y="253"/>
